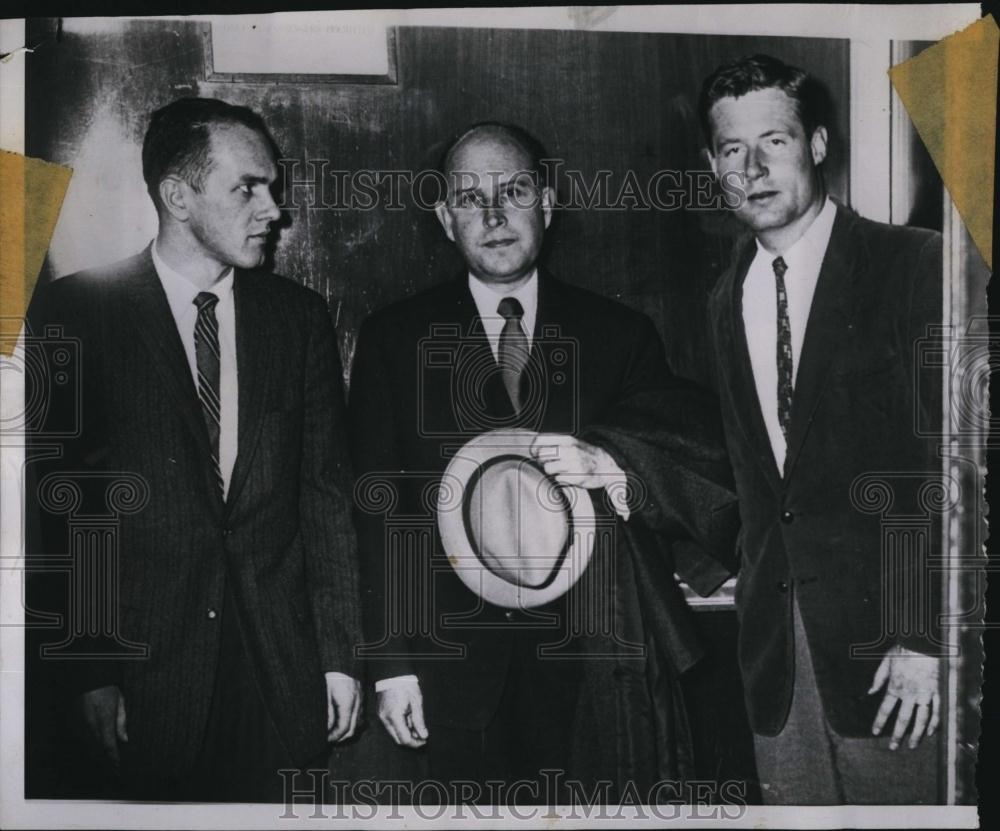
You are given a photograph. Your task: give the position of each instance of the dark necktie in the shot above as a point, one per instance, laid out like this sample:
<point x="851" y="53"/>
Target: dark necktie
<point x="784" y="352"/>
<point x="513" y="351"/>
<point x="206" y="350"/>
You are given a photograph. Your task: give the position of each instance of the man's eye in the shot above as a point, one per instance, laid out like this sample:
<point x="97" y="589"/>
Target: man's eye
<point x="247" y="190"/>
<point x="777" y="142"/>
<point x="730" y="151"/>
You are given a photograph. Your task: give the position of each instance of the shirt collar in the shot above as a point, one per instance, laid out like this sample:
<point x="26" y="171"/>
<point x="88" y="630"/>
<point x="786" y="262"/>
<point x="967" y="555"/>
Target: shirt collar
<point x="809" y="249"/>
<point x="181" y="291"/>
<point x="487" y="299"/>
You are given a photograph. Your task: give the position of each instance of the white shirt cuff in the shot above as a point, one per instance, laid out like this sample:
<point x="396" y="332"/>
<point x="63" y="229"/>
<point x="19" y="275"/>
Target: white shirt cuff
<point x="395" y="681"/>
<point x="339" y="675"/>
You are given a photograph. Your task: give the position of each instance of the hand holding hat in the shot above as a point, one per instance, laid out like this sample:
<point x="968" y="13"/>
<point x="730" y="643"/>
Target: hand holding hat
<point x="513" y="533"/>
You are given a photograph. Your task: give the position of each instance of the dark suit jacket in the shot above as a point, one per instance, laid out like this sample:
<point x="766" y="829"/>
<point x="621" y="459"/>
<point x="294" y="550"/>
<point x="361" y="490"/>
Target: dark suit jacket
<point x="854" y="413"/>
<point x="282" y="542"/>
<point x="417" y="394"/>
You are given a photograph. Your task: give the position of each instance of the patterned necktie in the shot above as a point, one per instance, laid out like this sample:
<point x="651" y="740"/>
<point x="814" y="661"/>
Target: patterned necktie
<point x="784" y="352"/>
<point x="513" y="351"/>
<point x="206" y="350"/>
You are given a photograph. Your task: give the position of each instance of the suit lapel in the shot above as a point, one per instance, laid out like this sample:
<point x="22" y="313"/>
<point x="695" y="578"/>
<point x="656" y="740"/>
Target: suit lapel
<point x="827" y="328"/>
<point x="559" y="412"/>
<point x="735" y="358"/>
<point x="258" y="337"/>
<point x="157" y="331"/>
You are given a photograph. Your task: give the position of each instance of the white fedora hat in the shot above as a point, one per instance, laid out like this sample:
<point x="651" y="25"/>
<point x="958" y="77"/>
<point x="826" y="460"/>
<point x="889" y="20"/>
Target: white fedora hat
<point x="513" y="535"/>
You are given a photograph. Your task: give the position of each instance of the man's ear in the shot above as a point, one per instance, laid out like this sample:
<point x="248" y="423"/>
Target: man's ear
<point x="445" y="218"/>
<point x="548" y="202"/>
<point x="173" y="196"/>
<point x="817" y="144"/>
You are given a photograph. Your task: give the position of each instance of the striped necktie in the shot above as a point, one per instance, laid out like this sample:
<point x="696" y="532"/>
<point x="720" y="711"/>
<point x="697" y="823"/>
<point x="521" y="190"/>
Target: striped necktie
<point x="206" y="349"/>
<point x="513" y="349"/>
<point x="784" y="350"/>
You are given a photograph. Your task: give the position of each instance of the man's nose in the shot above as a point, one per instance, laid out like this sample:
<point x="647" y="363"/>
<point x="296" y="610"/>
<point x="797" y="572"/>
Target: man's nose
<point x="755" y="167"/>
<point x="269" y="209"/>
<point x="494" y="216"/>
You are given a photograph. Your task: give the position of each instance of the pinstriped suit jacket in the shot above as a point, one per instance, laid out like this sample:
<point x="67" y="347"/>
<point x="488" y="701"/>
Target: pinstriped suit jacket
<point x="283" y="539"/>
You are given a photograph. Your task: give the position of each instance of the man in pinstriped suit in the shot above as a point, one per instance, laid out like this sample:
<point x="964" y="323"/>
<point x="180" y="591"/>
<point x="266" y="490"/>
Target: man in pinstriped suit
<point x="217" y="383"/>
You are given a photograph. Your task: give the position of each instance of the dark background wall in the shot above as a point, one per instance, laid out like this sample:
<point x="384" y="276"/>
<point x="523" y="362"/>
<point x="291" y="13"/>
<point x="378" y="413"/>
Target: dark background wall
<point x="599" y="101"/>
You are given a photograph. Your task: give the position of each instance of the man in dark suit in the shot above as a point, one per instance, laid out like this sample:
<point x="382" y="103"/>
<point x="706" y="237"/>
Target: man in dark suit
<point x="499" y="694"/>
<point x="213" y="387"/>
<point x="814" y="330"/>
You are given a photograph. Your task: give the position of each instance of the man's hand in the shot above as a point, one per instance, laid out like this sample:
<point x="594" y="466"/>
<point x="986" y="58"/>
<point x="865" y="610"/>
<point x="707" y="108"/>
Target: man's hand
<point x="343" y="704"/>
<point x="401" y="709"/>
<point x="573" y="462"/>
<point x="103" y="712"/>
<point x="913" y="682"/>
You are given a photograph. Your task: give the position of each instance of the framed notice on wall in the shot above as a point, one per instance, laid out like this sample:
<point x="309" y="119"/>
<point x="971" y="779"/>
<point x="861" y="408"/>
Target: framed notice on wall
<point x="328" y="47"/>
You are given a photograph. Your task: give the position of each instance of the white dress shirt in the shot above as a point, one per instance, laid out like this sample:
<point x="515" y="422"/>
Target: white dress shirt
<point x="488" y="299"/>
<point x="760" y="313"/>
<point x="181" y="293"/>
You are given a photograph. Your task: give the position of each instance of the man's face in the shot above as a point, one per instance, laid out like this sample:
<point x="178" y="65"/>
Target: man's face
<point x="495" y="214"/>
<point x="231" y="215"/>
<point x="760" y="137"/>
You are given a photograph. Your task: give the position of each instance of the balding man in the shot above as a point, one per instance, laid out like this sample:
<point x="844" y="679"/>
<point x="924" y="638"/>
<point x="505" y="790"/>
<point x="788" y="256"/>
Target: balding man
<point x="478" y="690"/>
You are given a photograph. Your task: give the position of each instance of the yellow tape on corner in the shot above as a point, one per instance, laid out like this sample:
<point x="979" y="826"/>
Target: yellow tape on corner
<point x="950" y="93"/>
<point x="31" y="194"/>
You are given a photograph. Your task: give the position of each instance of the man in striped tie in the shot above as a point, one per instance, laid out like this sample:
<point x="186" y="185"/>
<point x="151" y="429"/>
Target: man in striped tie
<point x="814" y="328"/>
<point x="492" y="694"/>
<point x="217" y="383"/>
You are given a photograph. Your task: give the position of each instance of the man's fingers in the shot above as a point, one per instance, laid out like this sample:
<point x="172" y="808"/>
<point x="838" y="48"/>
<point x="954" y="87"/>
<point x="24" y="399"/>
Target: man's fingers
<point x="884" y="711"/>
<point x="355" y="714"/>
<point x="104" y="714"/>
<point x="919" y="724"/>
<point x="903" y="719"/>
<point x="935" y="714"/>
<point x="343" y="707"/>
<point x="390" y="727"/>
<point x="547" y="443"/>
<point x="403" y="734"/>
<point x="417" y="720"/>
<point x="120" y="726"/>
<point x="109" y="739"/>
<point x="881" y="676"/>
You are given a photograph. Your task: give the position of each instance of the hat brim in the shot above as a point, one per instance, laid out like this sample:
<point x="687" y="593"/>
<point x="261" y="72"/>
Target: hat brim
<point x="462" y="471"/>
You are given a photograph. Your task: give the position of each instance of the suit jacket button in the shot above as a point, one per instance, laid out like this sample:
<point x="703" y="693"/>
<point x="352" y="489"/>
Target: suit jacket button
<point x="508" y="615"/>
<point x="227" y="532"/>
<point x="211" y="614"/>
<point x="787" y="517"/>
<point x="782" y="586"/>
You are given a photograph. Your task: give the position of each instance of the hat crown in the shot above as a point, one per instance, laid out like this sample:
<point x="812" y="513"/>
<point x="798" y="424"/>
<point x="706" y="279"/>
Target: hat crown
<point x="518" y="521"/>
